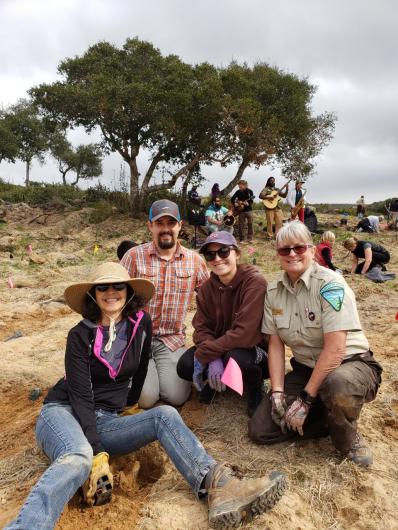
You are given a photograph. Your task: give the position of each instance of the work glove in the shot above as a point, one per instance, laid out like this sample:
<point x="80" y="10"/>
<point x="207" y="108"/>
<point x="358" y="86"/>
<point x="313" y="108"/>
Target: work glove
<point x="197" y="376"/>
<point x="100" y="479"/>
<point x="130" y="411"/>
<point x="279" y="406"/>
<point x="214" y="374"/>
<point x="295" y="416"/>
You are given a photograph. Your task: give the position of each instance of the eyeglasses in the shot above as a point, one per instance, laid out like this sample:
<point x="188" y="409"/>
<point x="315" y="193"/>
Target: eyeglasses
<point x="297" y="249"/>
<point x="102" y="288"/>
<point x="222" y="252"/>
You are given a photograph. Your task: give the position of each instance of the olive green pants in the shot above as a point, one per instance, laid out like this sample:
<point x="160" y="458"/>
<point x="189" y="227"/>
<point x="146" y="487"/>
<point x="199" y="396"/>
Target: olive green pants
<point x="336" y="410"/>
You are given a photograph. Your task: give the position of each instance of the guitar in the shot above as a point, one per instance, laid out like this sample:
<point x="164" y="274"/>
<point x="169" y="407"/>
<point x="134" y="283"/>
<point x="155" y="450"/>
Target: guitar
<point x="272" y="202"/>
<point x="238" y="207"/>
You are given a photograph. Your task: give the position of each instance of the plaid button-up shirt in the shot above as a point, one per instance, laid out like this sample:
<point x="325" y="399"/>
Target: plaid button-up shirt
<point x="175" y="281"/>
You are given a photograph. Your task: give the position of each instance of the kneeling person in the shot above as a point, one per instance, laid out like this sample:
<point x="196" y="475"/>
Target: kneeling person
<point x="313" y="311"/>
<point x="227" y="322"/>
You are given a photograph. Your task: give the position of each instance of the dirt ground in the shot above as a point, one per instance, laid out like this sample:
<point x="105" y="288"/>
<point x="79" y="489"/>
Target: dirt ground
<point x="324" y="492"/>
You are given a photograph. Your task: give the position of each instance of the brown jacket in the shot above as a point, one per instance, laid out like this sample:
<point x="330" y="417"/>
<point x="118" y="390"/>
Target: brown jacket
<point x="229" y="316"/>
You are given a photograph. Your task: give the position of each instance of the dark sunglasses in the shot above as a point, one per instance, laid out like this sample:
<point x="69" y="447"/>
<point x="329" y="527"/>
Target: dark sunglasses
<point x="102" y="288"/>
<point x="222" y="252"/>
<point x="298" y="249"/>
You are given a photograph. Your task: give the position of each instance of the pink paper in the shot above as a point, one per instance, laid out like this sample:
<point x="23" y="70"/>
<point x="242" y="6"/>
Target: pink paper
<point x="251" y="250"/>
<point x="10" y="283"/>
<point x="232" y="376"/>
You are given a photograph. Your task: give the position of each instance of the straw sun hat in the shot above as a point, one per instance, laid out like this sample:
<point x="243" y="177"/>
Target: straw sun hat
<point x="106" y="273"/>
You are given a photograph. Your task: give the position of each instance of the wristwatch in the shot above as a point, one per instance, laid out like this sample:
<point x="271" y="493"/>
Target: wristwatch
<point x="304" y="396"/>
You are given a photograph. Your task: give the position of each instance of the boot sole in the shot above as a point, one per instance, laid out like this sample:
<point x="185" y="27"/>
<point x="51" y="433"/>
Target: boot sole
<point x="249" y="508"/>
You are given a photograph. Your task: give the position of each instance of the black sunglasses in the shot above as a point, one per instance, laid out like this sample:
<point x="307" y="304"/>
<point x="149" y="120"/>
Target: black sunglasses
<point x="103" y="287"/>
<point x="298" y="249"/>
<point x="222" y="252"/>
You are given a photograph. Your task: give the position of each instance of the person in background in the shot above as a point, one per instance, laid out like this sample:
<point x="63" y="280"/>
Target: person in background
<point x="124" y="246"/>
<point x="242" y="204"/>
<point x="215" y="191"/>
<point x="374" y="255"/>
<point x="215" y="214"/>
<point x="313" y="311"/>
<point x="294" y="196"/>
<point x="227" y="323"/>
<point x="89" y="415"/>
<point x="324" y="251"/>
<point x="370" y="224"/>
<point x="177" y="273"/>
<point x="361" y="207"/>
<point x="273" y="215"/>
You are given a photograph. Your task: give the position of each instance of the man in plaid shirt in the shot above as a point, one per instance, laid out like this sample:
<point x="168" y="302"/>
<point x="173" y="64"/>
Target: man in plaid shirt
<point x="176" y="272"/>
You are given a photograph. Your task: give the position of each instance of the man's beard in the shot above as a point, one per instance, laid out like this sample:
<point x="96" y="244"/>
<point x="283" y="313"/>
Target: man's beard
<point x="164" y="245"/>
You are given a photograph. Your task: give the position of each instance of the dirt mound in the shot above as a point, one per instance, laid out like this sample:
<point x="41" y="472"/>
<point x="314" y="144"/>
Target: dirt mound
<point x="324" y="492"/>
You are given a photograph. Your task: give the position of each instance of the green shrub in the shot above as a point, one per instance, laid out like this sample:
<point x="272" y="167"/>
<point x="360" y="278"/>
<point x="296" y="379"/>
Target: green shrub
<point x="100" y="212"/>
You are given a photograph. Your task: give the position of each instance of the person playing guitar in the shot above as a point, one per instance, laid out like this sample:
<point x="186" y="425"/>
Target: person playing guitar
<point x="242" y="201"/>
<point x="272" y="199"/>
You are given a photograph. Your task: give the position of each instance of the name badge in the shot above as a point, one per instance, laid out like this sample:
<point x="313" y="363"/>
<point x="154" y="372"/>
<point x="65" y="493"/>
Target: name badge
<point x="277" y="312"/>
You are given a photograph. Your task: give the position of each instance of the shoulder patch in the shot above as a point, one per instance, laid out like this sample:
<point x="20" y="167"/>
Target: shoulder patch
<point x="333" y="293"/>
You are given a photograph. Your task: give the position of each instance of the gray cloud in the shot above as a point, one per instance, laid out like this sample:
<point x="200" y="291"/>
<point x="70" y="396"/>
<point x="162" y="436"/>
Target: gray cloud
<point x="347" y="48"/>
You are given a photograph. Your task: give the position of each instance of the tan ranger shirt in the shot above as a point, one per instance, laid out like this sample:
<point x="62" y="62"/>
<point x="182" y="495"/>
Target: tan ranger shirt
<point x="320" y="302"/>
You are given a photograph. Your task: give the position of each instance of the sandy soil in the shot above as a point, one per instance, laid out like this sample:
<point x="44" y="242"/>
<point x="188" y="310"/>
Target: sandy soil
<point x="324" y="492"/>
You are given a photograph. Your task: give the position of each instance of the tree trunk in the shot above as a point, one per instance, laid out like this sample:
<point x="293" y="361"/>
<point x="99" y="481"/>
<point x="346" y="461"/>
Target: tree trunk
<point x="27" y="172"/>
<point x="184" y="190"/>
<point x="135" y="203"/>
<point x="229" y="187"/>
<point x="64" y="177"/>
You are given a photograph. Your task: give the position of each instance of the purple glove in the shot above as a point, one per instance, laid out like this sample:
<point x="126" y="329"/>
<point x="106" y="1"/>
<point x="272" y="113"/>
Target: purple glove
<point x="214" y="374"/>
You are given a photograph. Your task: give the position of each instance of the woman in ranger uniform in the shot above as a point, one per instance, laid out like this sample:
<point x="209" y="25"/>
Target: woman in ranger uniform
<point x="313" y="311"/>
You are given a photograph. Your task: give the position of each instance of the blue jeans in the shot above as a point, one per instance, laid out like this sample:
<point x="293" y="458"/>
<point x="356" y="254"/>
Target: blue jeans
<point x="60" y="436"/>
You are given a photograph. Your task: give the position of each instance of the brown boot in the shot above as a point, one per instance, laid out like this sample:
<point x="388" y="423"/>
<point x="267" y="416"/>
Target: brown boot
<point x="360" y="453"/>
<point x="232" y="501"/>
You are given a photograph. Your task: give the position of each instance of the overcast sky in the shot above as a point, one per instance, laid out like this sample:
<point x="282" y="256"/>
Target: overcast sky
<point x="348" y="48"/>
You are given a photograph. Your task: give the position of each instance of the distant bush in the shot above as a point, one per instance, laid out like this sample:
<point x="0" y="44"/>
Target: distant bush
<point x="100" y="212"/>
<point x="39" y="194"/>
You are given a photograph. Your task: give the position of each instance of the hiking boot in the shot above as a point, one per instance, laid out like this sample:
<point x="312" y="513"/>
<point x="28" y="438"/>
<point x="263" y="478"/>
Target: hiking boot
<point x="233" y="501"/>
<point x="254" y="398"/>
<point x="206" y="394"/>
<point x="360" y="453"/>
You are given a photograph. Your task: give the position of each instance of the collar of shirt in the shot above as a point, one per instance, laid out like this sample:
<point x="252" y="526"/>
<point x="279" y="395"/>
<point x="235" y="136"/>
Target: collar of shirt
<point x="179" y="253"/>
<point x="305" y="278"/>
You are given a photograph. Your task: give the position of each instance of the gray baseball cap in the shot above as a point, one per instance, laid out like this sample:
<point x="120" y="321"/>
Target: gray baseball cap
<point x="221" y="237"/>
<point x="164" y="207"/>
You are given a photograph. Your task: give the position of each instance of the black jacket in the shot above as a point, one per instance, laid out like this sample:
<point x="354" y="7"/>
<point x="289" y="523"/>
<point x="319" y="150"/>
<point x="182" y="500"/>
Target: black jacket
<point x="243" y="195"/>
<point x="87" y="385"/>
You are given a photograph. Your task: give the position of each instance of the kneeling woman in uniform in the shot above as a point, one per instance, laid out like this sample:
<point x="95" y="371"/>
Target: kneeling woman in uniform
<point x="88" y="415"/>
<point x="227" y="323"/>
<point x="313" y="311"/>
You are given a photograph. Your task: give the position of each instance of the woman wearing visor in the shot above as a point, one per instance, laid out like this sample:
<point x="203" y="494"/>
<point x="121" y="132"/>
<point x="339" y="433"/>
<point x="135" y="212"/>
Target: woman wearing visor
<point x="91" y="414"/>
<point x="312" y="310"/>
<point x="227" y="323"/>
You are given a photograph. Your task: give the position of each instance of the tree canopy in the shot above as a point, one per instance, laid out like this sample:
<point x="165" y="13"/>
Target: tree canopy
<point x="186" y="115"/>
<point x="30" y="132"/>
<point x="84" y="160"/>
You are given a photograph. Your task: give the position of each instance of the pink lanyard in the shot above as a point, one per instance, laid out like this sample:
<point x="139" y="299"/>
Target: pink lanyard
<point x="98" y="345"/>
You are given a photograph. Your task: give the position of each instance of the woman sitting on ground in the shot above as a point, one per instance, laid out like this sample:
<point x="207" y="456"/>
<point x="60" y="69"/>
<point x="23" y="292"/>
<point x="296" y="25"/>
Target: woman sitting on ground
<point x="91" y="413"/>
<point x="227" y="323"/>
<point x="324" y="250"/>
<point x="373" y="254"/>
<point x="313" y="311"/>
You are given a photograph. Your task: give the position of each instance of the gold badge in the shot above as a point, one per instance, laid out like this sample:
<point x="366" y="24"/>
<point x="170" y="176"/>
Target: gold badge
<point x="276" y="311"/>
